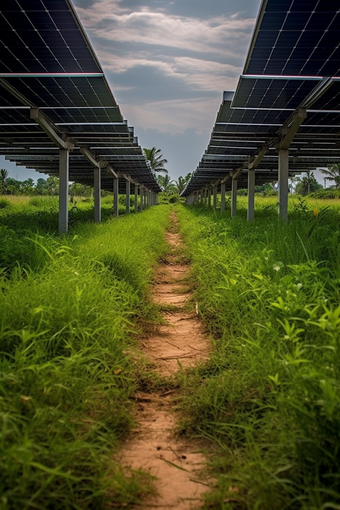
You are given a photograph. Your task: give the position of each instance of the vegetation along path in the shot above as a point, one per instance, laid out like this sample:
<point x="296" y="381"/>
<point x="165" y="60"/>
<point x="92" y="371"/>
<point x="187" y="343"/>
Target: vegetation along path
<point x="178" y="343"/>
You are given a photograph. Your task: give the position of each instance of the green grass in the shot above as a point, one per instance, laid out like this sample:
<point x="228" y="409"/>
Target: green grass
<point x="40" y="213"/>
<point x="71" y="308"/>
<point x="268" y="292"/>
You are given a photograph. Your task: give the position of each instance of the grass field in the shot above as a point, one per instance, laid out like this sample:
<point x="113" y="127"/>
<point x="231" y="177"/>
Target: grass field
<point x="268" y="292"/>
<point x="72" y="307"/>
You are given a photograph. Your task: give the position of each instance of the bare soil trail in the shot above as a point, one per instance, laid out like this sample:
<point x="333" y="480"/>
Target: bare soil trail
<point x="154" y="446"/>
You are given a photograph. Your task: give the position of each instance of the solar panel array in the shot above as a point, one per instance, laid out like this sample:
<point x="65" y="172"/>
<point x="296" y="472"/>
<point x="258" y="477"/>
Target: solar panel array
<point x="293" y="66"/>
<point x="47" y="62"/>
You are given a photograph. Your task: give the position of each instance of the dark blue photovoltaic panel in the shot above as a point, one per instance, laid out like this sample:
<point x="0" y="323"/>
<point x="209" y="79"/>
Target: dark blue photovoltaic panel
<point x="267" y="93"/>
<point x="42" y="37"/>
<point x="41" y="41"/>
<point x="330" y="100"/>
<point x="296" y="38"/>
<point x="292" y="38"/>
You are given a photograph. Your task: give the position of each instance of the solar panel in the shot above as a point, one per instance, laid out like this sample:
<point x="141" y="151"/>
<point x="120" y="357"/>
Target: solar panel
<point x="292" y="66"/>
<point x="47" y="62"/>
<point x="295" y="38"/>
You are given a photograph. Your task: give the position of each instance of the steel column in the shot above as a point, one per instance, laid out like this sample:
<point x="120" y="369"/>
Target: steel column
<point x="127" y="197"/>
<point x="233" y="197"/>
<point x="251" y="195"/>
<point x="215" y="197"/>
<point x="63" y="190"/>
<point x="136" y="199"/>
<point x="116" y="196"/>
<point x="223" y="197"/>
<point x="96" y="194"/>
<point x="283" y="184"/>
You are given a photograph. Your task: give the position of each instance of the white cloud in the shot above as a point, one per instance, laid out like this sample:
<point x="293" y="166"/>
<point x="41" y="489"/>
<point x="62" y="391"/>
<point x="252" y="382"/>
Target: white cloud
<point x="174" y="116"/>
<point x="197" y="73"/>
<point x="107" y="20"/>
<point x="191" y="60"/>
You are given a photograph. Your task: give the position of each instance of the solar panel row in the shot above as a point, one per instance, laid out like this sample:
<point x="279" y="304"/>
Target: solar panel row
<point x="47" y="62"/>
<point x="292" y="66"/>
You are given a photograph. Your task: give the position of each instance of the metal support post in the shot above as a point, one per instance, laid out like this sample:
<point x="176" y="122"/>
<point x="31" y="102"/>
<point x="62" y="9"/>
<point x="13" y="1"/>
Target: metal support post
<point x="209" y="197"/>
<point x="215" y="197"/>
<point x="233" y="197"/>
<point x="283" y="184"/>
<point x="96" y="194"/>
<point x="141" y="198"/>
<point x="136" y="199"/>
<point x="223" y="197"/>
<point x="63" y="190"/>
<point x="116" y="196"/>
<point x="251" y="195"/>
<point x="127" y="197"/>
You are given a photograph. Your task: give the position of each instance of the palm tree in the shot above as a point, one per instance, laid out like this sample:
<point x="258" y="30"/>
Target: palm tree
<point x="182" y="182"/>
<point x="3" y="177"/>
<point x="307" y="184"/>
<point x="166" y="183"/>
<point x="333" y="174"/>
<point x="154" y="157"/>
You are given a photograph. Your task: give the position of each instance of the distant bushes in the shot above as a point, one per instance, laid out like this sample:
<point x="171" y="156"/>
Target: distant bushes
<point x="4" y="203"/>
<point x="325" y="193"/>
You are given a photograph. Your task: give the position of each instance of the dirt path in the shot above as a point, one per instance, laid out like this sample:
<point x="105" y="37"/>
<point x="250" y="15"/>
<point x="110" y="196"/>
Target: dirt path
<point x="154" y="446"/>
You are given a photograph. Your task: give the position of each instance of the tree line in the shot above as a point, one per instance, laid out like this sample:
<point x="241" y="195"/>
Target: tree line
<point x="50" y="186"/>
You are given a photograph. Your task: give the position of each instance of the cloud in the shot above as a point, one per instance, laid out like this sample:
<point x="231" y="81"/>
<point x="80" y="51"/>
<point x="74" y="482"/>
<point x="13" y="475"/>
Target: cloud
<point x="225" y="35"/>
<point x="194" y="73"/>
<point x="167" y="67"/>
<point x="173" y="116"/>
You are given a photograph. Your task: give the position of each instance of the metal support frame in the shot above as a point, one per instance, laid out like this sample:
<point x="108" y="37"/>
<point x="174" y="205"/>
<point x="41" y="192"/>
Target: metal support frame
<point x="233" y="196"/>
<point x="96" y="194"/>
<point x="289" y="128"/>
<point x="190" y="199"/>
<point x="223" y="196"/>
<point x="283" y="184"/>
<point x="142" y="198"/>
<point x="209" y="197"/>
<point x="251" y="195"/>
<point x="136" y="199"/>
<point x="116" y="196"/>
<point x="258" y="158"/>
<point x="50" y="130"/>
<point x="215" y="197"/>
<point x="127" y="197"/>
<point x="63" y="190"/>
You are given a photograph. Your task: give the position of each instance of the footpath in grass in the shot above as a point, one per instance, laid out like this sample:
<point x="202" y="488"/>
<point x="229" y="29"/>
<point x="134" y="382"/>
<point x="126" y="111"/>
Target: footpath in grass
<point x="170" y="349"/>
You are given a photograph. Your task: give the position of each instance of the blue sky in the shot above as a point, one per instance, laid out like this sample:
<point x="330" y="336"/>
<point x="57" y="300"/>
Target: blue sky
<point x="168" y="63"/>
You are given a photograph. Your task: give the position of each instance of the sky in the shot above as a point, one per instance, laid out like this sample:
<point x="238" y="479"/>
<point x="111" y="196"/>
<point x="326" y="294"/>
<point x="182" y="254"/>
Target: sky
<point x="168" y="63"/>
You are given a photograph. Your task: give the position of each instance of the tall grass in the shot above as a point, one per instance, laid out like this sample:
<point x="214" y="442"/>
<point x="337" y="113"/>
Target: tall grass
<point x="70" y="309"/>
<point x="270" y="396"/>
<point x="40" y="213"/>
